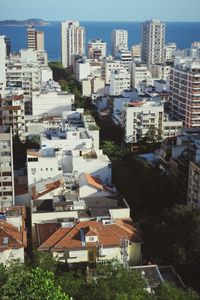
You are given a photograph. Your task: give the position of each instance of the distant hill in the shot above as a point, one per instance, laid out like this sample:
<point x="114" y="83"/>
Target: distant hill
<point x="33" y="22"/>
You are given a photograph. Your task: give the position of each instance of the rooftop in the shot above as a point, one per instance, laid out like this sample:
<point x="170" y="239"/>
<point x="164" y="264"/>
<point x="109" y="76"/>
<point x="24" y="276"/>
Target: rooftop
<point x="72" y="238"/>
<point x="11" y="237"/>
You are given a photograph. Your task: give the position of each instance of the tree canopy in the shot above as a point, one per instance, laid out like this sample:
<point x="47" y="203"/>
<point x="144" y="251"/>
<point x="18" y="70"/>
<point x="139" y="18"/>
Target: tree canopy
<point x="35" y="284"/>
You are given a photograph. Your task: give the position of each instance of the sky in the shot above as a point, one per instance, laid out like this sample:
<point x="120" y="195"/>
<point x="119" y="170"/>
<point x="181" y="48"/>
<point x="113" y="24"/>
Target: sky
<point x="101" y="10"/>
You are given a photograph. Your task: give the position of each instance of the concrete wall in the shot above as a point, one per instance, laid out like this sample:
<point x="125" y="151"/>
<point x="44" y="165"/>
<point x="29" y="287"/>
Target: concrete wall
<point x="10" y="255"/>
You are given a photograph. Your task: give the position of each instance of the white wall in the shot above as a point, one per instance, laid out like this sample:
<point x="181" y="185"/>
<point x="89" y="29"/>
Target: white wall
<point x="46" y="74"/>
<point x="44" y="168"/>
<point x="51" y="103"/>
<point x="95" y="167"/>
<point x="10" y="255"/>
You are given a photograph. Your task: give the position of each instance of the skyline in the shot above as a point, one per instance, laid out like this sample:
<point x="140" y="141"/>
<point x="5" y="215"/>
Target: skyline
<point x="84" y="11"/>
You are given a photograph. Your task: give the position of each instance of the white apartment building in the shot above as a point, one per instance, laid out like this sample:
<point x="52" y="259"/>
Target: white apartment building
<point x="125" y="56"/>
<point x="72" y="41"/>
<point x="43" y="164"/>
<point x="28" y="70"/>
<point x="12" y="111"/>
<point x="170" y="127"/>
<point x="2" y="62"/>
<point x="35" y="38"/>
<point x="120" y="81"/>
<point x="138" y="117"/>
<point x="96" y="49"/>
<point x="161" y="71"/>
<point x="153" y="42"/>
<point x="76" y="131"/>
<point x="119" y="41"/>
<point x="51" y="163"/>
<point x="110" y="65"/>
<point x="88" y="68"/>
<point x="50" y="102"/>
<point x="93" y="86"/>
<point x="185" y="91"/>
<point x="6" y="168"/>
<point x="169" y="50"/>
<point x="140" y="74"/>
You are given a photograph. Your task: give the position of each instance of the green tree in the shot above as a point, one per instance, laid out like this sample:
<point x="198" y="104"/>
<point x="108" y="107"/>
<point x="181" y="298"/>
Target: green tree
<point x="174" y="236"/>
<point x="110" y="148"/>
<point x="34" y="284"/>
<point x="115" y="282"/>
<point x="169" y="291"/>
<point x="151" y="135"/>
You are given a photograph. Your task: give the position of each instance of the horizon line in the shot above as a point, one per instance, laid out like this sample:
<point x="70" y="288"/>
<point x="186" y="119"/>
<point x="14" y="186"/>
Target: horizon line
<point x="123" y="21"/>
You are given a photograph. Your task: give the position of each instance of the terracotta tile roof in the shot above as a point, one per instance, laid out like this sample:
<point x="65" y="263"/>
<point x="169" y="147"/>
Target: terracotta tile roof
<point x="108" y="236"/>
<point x="93" y="181"/>
<point x="44" y="231"/>
<point x="54" y="238"/>
<point x="15" y="239"/>
<point x="34" y="153"/>
<point x="49" y="188"/>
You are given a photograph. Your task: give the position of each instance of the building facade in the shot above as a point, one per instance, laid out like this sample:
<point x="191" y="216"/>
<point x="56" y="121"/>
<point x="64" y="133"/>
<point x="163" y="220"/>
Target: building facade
<point x="6" y="168"/>
<point x="96" y="49"/>
<point x="72" y="41"/>
<point x="119" y="81"/>
<point x="35" y="39"/>
<point x="185" y="92"/>
<point x="153" y="42"/>
<point x="119" y="41"/>
<point x="2" y="62"/>
<point x="12" y="111"/>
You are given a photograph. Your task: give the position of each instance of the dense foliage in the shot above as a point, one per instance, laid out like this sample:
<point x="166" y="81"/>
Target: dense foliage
<point x="105" y="283"/>
<point x="35" y="284"/>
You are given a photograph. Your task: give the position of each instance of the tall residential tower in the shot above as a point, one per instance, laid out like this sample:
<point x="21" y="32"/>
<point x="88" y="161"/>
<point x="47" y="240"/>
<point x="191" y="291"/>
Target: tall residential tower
<point x="153" y="42"/>
<point x="35" y="38"/>
<point x="185" y="91"/>
<point x="2" y="62"/>
<point x="6" y="168"/>
<point x="72" y="41"/>
<point x="119" y="41"/>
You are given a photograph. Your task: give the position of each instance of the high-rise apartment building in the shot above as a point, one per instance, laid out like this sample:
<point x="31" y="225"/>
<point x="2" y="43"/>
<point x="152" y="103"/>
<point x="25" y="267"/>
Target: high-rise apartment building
<point x="35" y="39"/>
<point x="6" y="168"/>
<point x="119" y="41"/>
<point x="153" y="42"/>
<point x="72" y="41"/>
<point x="185" y="91"/>
<point x="2" y="61"/>
<point x="12" y="111"/>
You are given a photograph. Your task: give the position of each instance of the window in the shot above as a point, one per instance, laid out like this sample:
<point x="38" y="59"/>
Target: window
<point x="5" y="154"/>
<point x="7" y="183"/>
<point x="6" y="174"/>
<point x="5" y="240"/>
<point x="91" y="239"/>
<point x="33" y="171"/>
<point x="31" y="159"/>
<point x="7" y="193"/>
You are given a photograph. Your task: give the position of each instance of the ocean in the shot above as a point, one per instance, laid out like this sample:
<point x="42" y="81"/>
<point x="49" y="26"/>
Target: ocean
<point x="182" y="33"/>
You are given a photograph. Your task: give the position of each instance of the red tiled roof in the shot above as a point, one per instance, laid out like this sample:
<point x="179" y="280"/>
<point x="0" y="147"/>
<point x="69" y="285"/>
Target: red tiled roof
<point x="93" y="181"/>
<point x="108" y="236"/>
<point x="16" y="239"/>
<point x="49" y="188"/>
<point x="44" y="231"/>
